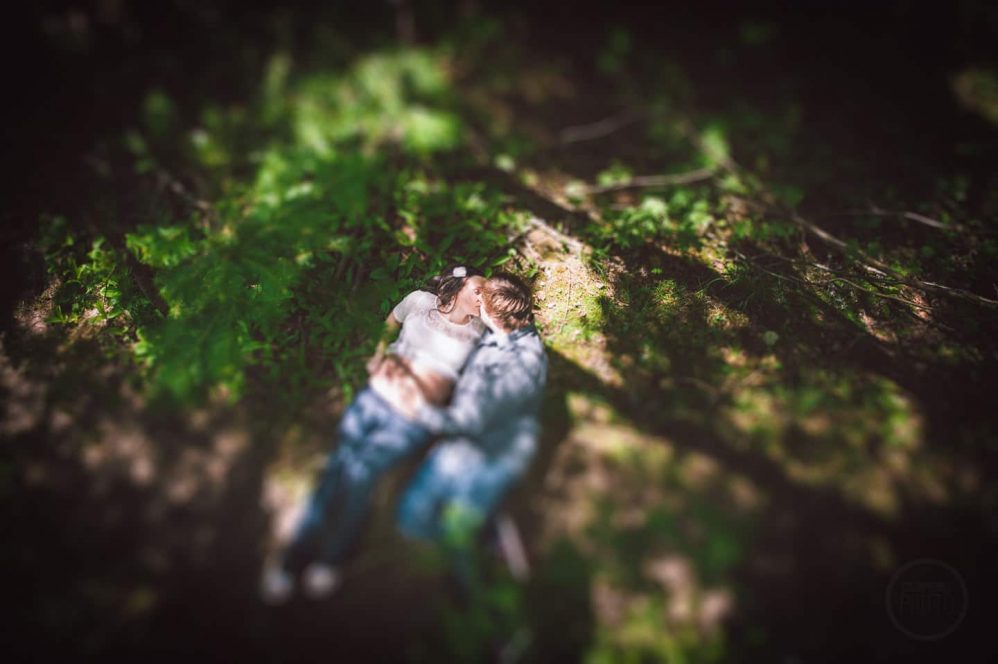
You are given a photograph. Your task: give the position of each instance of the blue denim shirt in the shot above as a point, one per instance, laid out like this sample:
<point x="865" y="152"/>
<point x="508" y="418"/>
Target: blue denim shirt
<point x="497" y="398"/>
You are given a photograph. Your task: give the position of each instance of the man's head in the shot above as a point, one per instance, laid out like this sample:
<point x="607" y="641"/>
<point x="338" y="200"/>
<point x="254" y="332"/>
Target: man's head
<point x="506" y="303"/>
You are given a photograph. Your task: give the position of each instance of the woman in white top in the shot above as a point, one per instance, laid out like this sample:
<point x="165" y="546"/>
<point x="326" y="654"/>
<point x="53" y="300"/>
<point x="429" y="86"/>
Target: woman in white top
<point x="439" y="328"/>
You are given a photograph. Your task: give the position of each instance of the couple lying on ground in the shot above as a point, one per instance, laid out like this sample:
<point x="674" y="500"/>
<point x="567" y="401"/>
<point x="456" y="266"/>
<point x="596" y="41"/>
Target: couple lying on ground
<point x="468" y="366"/>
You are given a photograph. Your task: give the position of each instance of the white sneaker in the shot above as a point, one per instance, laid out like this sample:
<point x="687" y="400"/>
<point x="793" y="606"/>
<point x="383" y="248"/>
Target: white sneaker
<point x="319" y="581"/>
<point x="276" y="585"/>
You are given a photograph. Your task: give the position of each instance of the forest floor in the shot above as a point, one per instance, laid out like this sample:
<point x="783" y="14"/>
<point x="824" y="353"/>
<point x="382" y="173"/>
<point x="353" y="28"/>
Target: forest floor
<point x="741" y="445"/>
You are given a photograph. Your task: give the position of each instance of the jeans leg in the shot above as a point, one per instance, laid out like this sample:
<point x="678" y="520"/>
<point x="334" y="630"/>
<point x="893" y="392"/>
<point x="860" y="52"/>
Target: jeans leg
<point x="304" y="546"/>
<point x="418" y="510"/>
<point x="471" y="506"/>
<point x="386" y="444"/>
<point x="460" y="524"/>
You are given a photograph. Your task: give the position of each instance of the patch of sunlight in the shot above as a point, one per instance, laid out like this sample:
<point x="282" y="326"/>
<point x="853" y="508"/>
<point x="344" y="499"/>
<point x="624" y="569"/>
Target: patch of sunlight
<point x="227" y="292"/>
<point x="504" y="162"/>
<point x="753" y="414"/>
<point x="583" y="407"/>
<point x="426" y="131"/>
<point x="714" y="145"/>
<point x="874" y="488"/>
<point x="698" y="470"/>
<point x="744" y="495"/>
<point x="679" y="624"/>
<point x="288" y="481"/>
<point x="597" y="454"/>
<point x="196" y="470"/>
<point x="713" y="253"/>
<point x="122" y="450"/>
<point x="626" y="447"/>
<point x="687" y="600"/>
<point x="161" y="246"/>
<point x="273" y="91"/>
<point x="202" y="472"/>
<point x="569" y="309"/>
<point x="159" y="113"/>
<point x="574" y="192"/>
<point x="668" y="294"/>
<point x="385" y="96"/>
<point x="310" y="129"/>
<point x="860" y="434"/>
<point x="662" y="532"/>
<point x="976" y="89"/>
<point x="25" y="396"/>
<point x="903" y="427"/>
<point x="616" y="173"/>
<point x="725" y="318"/>
<point x="733" y="356"/>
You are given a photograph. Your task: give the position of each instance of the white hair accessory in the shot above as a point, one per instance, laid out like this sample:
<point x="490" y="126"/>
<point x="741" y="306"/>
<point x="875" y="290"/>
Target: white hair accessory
<point x="460" y="271"/>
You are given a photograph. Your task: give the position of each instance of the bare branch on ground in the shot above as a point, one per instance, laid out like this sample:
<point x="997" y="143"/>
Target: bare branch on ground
<point x="869" y="263"/>
<point x="540" y="224"/>
<point x="594" y="130"/>
<point x="876" y="211"/>
<point x="657" y="181"/>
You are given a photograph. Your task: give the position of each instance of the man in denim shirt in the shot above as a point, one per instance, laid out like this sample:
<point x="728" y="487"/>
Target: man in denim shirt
<point x="490" y="428"/>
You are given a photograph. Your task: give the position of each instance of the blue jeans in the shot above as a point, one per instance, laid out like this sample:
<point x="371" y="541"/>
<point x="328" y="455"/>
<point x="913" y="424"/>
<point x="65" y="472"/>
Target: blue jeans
<point x="373" y="438"/>
<point x="457" y="488"/>
<point x="455" y="492"/>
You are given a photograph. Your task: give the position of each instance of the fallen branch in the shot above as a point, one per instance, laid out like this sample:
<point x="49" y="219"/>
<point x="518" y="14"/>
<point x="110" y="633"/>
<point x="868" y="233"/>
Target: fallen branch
<point x="836" y="276"/>
<point x="930" y="320"/>
<point x="522" y="245"/>
<point x="899" y="214"/>
<point x="657" y="181"/>
<point x="605" y="127"/>
<point x="869" y="263"/>
<point x="542" y="225"/>
<point x="911" y="216"/>
<point x="810" y="295"/>
<point x="528" y="251"/>
<point x="878" y="267"/>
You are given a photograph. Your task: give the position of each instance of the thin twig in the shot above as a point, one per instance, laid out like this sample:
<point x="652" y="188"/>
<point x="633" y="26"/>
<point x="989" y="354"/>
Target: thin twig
<point x="872" y="264"/>
<point x="900" y="214"/>
<point x="930" y="320"/>
<point x="886" y="296"/>
<point x="912" y="216"/>
<point x="836" y="277"/>
<point x="657" y="181"/>
<point x="605" y="127"/>
<point x="869" y="263"/>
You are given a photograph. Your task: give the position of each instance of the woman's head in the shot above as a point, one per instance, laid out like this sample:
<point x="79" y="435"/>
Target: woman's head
<point x="507" y="301"/>
<point x="458" y="289"/>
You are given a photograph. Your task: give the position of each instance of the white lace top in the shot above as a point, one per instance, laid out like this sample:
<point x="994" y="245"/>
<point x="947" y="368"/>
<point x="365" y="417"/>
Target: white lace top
<point x="429" y="340"/>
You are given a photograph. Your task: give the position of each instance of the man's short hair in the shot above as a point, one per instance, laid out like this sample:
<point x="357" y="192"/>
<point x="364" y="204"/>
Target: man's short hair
<point x="509" y="300"/>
